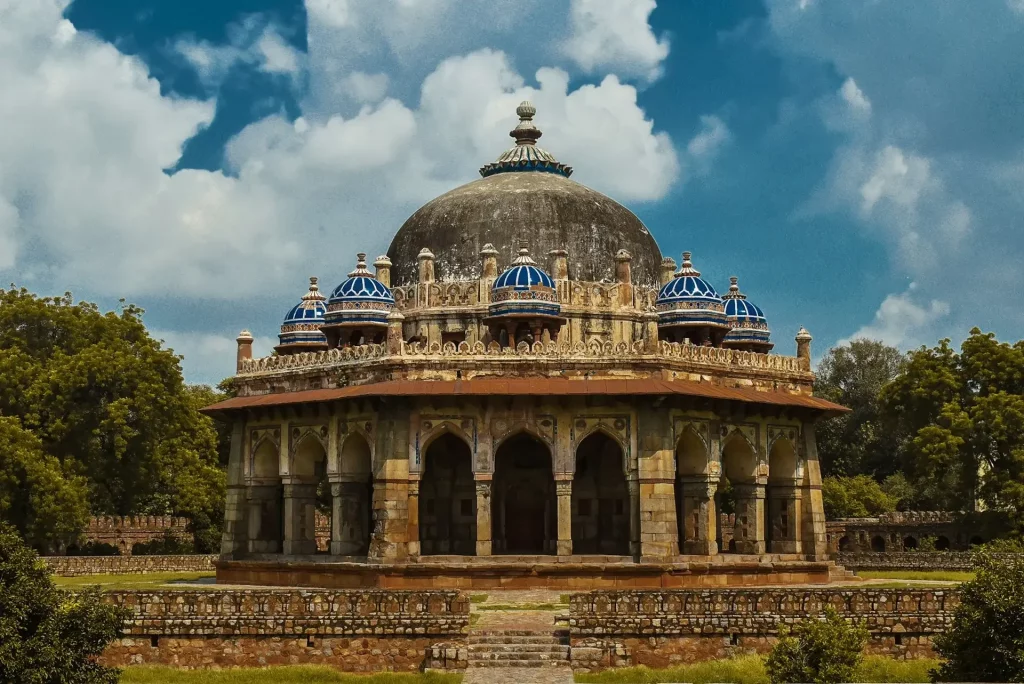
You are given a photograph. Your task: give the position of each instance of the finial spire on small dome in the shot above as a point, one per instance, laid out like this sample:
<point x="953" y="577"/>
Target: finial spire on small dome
<point x="524" y="255"/>
<point x="687" y="269"/>
<point x="734" y="289"/>
<point x="314" y="293"/>
<point x="361" y="267"/>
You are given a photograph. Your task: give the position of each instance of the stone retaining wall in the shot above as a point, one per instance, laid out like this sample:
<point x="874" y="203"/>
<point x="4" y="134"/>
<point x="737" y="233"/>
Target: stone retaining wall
<point x="73" y="566"/>
<point x="662" y="628"/>
<point x="358" y="631"/>
<point x="911" y="560"/>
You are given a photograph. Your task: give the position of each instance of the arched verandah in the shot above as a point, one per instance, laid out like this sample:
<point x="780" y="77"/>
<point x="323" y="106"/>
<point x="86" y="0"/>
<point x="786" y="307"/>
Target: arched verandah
<point x="447" y="499"/>
<point x="352" y="498"/>
<point x="600" y="498"/>
<point x="264" y="499"/>
<point x="524" y="516"/>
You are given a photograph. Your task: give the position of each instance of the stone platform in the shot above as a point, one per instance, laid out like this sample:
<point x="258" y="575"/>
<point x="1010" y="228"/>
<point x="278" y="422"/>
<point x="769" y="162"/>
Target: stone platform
<point x="570" y="573"/>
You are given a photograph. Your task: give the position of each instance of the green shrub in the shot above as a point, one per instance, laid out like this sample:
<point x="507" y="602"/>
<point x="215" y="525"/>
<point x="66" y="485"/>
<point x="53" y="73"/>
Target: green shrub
<point x="167" y="545"/>
<point x="820" y="651"/>
<point x="986" y="640"/>
<point x="93" y="548"/>
<point x="47" y="635"/>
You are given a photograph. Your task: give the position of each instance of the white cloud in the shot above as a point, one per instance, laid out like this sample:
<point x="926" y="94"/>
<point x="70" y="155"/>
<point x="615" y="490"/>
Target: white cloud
<point x="366" y="88"/>
<point x="903" y="322"/>
<point x="209" y="358"/>
<point x="705" y="146"/>
<point x="854" y="97"/>
<point x="616" y="35"/>
<point x="253" y="42"/>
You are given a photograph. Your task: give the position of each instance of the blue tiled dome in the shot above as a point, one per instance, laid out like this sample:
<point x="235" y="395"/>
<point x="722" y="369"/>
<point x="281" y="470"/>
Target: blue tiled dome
<point x="749" y="326"/>
<point x="301" y="325"/>
<point x="689" y="299"/>
<point x="361" y="298"/>
<point x="524" y="290"/>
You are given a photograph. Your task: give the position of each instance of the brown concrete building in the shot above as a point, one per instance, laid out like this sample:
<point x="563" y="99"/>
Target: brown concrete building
<point x="524" y="392"/>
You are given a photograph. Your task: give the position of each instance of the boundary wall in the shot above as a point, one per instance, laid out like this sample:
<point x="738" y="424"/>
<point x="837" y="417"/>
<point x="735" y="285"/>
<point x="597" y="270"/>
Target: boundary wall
<point x="74" y="566"/>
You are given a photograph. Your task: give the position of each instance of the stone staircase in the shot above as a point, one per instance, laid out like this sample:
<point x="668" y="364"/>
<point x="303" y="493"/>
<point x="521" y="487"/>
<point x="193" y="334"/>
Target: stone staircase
<point x="837" y="573"/>
<point x="518" y="648"/>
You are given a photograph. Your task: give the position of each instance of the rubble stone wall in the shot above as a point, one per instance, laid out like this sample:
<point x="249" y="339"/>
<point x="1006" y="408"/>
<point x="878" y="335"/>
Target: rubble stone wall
<point x="74" y="566"/>
<point x="663" y="628"/>
<point x="358" y="631"/>
<point x="911" y="560"/>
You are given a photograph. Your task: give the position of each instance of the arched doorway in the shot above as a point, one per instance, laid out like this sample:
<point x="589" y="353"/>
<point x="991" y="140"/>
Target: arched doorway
<point x="909" y="544"/>
<point x="264" y="496"/>
<point x="447" y="515"/>
<point x="524" y="514"/>
<point x="878" y="544"/>
<point x="782" y="529"/>
<point x="352" y="521"/>
<point x="600" y="498"/>
<point x="942" y="543"/>
<point x="307" y="473"/>
<point x="695" y="502"/>
<point x="738" y="490"/>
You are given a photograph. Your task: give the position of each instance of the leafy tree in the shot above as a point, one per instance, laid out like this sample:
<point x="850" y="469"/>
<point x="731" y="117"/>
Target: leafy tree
<point x="820" y="651"/>
<point x="46" y="635"/>
<point x="855" y="497"/>
<point x="963" y="414"/>
<point x="986" y="640"/>
<point x="853" y="375"/>
<point x="107" y="402"/>
<point x="46" y="503"/>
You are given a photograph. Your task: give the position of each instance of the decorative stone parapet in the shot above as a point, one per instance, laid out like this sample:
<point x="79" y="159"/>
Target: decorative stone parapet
<point x="74" y="566"/>
<point x="662" y="628"/>
<point x="356" y="631"/>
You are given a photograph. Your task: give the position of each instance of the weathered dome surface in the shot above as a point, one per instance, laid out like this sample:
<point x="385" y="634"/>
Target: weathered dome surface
<point x="549" y="210"/>
<point x="525" y="195"/>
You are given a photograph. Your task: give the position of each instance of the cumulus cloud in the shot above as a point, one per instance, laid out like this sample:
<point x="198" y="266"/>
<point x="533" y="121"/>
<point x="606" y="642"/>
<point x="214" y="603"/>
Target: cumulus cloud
<point x="705" y="146"/>
<point x="616" y="35"/>
<point x="904" y="320"/>
<point x="254" y="42"/>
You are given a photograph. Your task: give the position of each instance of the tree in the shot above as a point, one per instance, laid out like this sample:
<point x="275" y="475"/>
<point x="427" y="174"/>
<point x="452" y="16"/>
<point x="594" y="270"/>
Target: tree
<point x="853" y="375"/>
<point x="108" y="402"/>
<point x="46" y="635"/>
<point x="855" y="497"/>
<point x="963" y="415"/>
<point x="820" y="651"/>
<point x="985" y="643"/>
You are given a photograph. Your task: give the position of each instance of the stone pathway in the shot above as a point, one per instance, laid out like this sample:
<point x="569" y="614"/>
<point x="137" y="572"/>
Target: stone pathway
<point x="518" y="646"/>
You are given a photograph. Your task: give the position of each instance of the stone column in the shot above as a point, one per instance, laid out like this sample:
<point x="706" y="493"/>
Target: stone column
<point x="749" y="530"/>
<point x="264" y="518"/>
<point x="414" y="517"/>
<point x="299" y="517"/>
<point x="668" y="270"/>
<point x="244" y="352"/>
<point x="698" y="515"/>
<point x="563" y="489"/>
<point x="659" y="533"/>
<point x="350" y="516"/>
<point x="814" y="544"/>
<point x="784" y="516"/>
<point x="634" y="516"/>
<point x="234" y="540"/>
<point x="483" y="515"/>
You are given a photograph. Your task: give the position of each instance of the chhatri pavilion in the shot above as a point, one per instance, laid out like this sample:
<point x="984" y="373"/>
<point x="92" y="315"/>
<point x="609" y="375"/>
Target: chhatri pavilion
<point x="524" y="392"/>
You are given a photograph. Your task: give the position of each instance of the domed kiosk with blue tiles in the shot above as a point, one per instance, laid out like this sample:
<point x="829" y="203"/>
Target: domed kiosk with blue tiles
<point x="301" y="328"/>
<point x="749" y="327"/>
<point x="689" y="308"/>
<point x="357" y="311"/>
<point x="524" y="304"/>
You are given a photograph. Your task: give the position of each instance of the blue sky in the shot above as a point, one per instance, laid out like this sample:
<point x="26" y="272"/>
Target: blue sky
<point x="859" y="164"/>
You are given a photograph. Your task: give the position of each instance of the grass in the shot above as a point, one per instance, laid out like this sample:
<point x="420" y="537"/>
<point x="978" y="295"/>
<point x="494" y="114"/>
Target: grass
<point x="141" y="581"/>
<point x="749" y="669"/>
<point x="518" y="606"/>
<point x="285" y="674"/>
<point x="478" y="598"/>
<point x="927" y="575"/>
<point x="564" y="598"/>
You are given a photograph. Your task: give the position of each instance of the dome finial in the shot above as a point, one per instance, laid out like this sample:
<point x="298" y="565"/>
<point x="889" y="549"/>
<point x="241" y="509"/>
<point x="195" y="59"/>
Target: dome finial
<point x="526" y="133"/>
<point x="314" y="291"/>
<point x="687" y="269"/>
<point x="361" y="267"/>
<point x="524" y="255"/>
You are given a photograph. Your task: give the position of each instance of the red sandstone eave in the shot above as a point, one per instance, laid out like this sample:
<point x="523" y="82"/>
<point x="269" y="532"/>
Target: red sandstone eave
<point x="530" y="387"/>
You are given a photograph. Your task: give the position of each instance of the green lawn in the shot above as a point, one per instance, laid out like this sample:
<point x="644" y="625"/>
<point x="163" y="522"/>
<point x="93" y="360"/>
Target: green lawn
<point x="141" y="581"/>
<point x="927" y="575"/>
<point x="285" y="674"/>
<point x="750" y="670"/>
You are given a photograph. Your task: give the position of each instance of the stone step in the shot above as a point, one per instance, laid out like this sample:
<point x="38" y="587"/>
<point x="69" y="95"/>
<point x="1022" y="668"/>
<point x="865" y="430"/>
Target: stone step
<point x="520" y="632"/>
<point x="516" y="639"/>
<point x="519" y="663"/>
<point x="484" y="649"/>
<point x="520" y="655"/>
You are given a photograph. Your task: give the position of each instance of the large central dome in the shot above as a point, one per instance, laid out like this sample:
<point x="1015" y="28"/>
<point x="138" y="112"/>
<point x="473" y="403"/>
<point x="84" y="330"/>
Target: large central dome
<point x="525" y="195"/>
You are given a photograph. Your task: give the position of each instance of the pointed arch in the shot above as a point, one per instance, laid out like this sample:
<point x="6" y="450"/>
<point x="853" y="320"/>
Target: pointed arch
<point x="265" y="459"/>
<point x="783" y="461"/>
<point x="445" y="427"/>
<point x="355" y="455"/>
<point x="609" y="432"/>
<point x="447" y="497"/>
<point x="523" y="502"/>
<point x="739" y="458"/>
<point x="309" y="457"/>
<point x="692" y="454"/>
<point x="519" y="429"/>
<point x="600" y="497"/>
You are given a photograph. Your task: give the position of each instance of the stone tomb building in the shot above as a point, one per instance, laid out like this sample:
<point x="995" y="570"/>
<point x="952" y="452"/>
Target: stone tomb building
<point x="523" y="392"/>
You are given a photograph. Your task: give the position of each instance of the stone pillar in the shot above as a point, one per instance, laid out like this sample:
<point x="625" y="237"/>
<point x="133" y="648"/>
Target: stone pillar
<point x="634" y="516"/>
<point x="234" y="540"/>
<point x="668" y="270"/>
<point x="803" y="348"/>
<point x="244" y="353"/>
<point x="563" y="489"/>
<point x="749" y="530"/>
<point x="784" y="516"/>
<point x="264" y="518"/>
<point x="426" y="259"/>
<point x="383" y="269"/>
<point x="814" y="543"/>
<point x="395" y="333"/>
<point x="299" y="517"/>
<point x="560" y="273"/>
<point x="414" y="517"/>
<point x="350" y="516"/>
<point x="651" y="332"/>
<point x="698" y="515"/>
<point x="488" y="271"/>
<point x="624" y="278"/>
<point x="659" y="534"/>
<point x="483" y="515"/>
